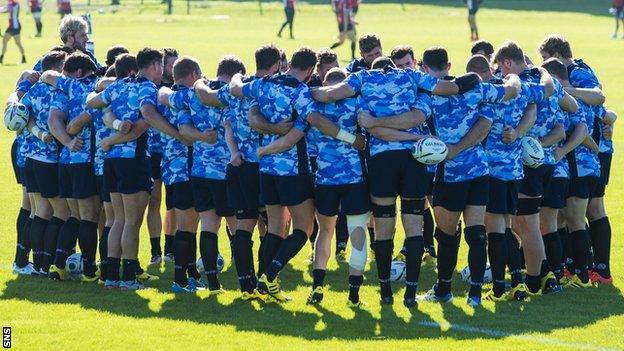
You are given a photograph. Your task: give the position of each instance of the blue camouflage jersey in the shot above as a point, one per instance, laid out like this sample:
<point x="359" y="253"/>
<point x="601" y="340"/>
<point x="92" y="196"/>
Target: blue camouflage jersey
<point x="101" y="132"/>
<point x="209" y="160"/>
<point x="584" y="160"/>
<point x="605" y="145"/>
<point x="391" y="92"/>
<point x="246" y="138"/>
<point x="453" y="117"/>
<point x="174" y="163"/>
<point x="155" y="139"/>
<point x="125" y="97"/>
<point x="338" y="162"/>
<point x="22" y="139"/>
<point x="77" y="91"/>
<point x="282" y="97"/>
<point x="39" y="100"/>
<point x="505" y="160"/>
<point x="358" y="65"/>
<point x="549" y="113"/>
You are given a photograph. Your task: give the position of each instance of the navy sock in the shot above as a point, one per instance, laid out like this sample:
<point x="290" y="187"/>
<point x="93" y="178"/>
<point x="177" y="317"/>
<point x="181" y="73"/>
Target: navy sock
<point x="261" y="260"/>
<point x="290" y="248"/>
<point x="22" y="260"/>
<point x="50" y="237"/>
<point x="355" y="282"/>
<point x="514" y="260"/>
<point x="497" y="253"/>
<point x="272" y="244"/>
<point x="112" y="268"/>
<point x="600" y="232"/>
<point x="568" y="251"/>
<point x="87" y="239"/>
<point x="155" y="246"/>
<point x="414" y="247"/>
<point x="342" y="233"/>
<point x="554" y="252"/>
<point x="169" y="239"/>
<point x="533" y="283"/>
<point x="181" y="254"/>
<point x="428" y="228"/>
<point x="37" y="229"/>
<point x="209" y="250"/>
<point x="103" y="249"/>
<point x="383" y="259"/>
<point x="129" y="269"/>
<point x="66" y="241"/>
<point x="191" y="268"/>
<point x="318" y="277"/>
<point x="580" y="245"/>
<point x="243" y="259"/>
<point x="477" y="257"/>
<point x="448" y="247"/>
<point x="21" y="255"/>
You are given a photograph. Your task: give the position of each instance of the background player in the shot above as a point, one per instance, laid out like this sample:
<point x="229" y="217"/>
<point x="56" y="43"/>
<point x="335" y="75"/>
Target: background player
<point x="36" y="6"/>
<point x="346" y="24"/>
<point x="289" y="11"/>
<point x="473" y="7"/>
<point x="13" y="31"/>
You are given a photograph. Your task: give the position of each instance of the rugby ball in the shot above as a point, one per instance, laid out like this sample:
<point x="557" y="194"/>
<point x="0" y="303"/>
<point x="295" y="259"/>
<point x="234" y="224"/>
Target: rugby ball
<point x="74" y="264"/>
<point x="397" y="271"/>
<point x="532" y="152"/>
<point x="220" y="264"/>
<point x="430" y="151"/>
<point x="487" y="276"/>
<point x="16" y="116"/>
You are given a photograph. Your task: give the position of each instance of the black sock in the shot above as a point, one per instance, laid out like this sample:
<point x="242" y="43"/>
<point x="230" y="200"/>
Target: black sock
<point x="155" y="246"/>
<point x="21" y="255"/>
<point x="497" y="253"/>
<point x="568" y="251"/>
<point x="371" y="238"/>
<point x="580" y="245"/>
<point x="261" y="260"/>
<point x="533" y="283"/>
<point x="318" y="277"/>
<point x="514" y="261"/>
<point x="243" y="259"/>
<point x="554" y="252"/>
<point x="50" y="237"/>
<point x="414" y="249"/>
<point x="191" y="268"/>
<point x="208" y="250"/>
<point x="353" y="50"/>
<point x="342" y="233"/>
<point x="600" y="232"/>
<point x="66" y="241"/>
<point x="103" y="249"/>
<point x="129" y="269"/>
<point x="26" y="246"/>
<point x="169" y="239"/>
<point x="544" y="268"/>
<point x="448" y="247"/>
<point x="315" y="230"/>
<point x="87" y="239"/>
<point x="112" y="268"/>
<point x="428" y="228"/>
<point x="37" y="229"/>
<point x="181" y="254"/>
<point x="39" y="26"/>
<point x="355" y="282"/>
<point x="383" y="259"/>
<point x="271" y="245"/>
<point x="477" y="257"/>
<point x="290" y="248"/>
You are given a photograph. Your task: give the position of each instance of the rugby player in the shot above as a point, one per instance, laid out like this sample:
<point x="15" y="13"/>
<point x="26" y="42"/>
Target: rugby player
<point x="13" y="31"/>
<point x="370" y="49"/>
<point x="346" y="24"/>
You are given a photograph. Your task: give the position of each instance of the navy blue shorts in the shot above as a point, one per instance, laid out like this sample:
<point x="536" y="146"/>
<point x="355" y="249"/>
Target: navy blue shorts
<point x="503" y="197"/>
<point x="42" y="177"/>
<point x="103" y="192"/>
<point x="211" y="194"/>
<point x="536" y="180"/>
<point x="397" y="173"/>
<point x="457" y="195"/>
<point x="430" y="184"/>
<point x="285" y="190"/>
<point x="348" y="199"/>
<point x="179" y="196"/>
<point x="16" y="168"/>
<point x="556" y="194"/>
<point x="155" y="159"/>
<point x="605" y="174"/>
<point x="243" y="186"/>
<point x="13" y="30"/>
<point x="77" y="181"/>
<point x="127" y="175"/>
<point x="582" y="187"/>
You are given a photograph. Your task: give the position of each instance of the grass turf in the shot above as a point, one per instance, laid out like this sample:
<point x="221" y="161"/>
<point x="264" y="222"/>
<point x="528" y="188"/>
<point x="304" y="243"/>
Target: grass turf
<point x="72" y="315"/>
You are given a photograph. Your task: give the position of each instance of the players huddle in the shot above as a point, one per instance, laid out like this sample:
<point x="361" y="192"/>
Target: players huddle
<point x="304" y="150"/>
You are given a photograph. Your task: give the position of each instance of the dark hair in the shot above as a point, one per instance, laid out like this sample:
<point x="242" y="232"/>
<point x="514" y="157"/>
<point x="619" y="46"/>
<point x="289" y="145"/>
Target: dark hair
<point x="325" y="56"/>
<point x="62" y="48"/>
<point x="401" y="51"/>
<point x="184" y="67"/>
<point x="230" y="65"/>
<point x="336" y="74"/>
<point x="79" y="61"/>
<point x="478" y="64"/>
<point x="113" y="52"/>
<point x="125" y="64"/>
<point x="435" y="58"/>
<point x="148" y="56"/>
<point x="283" y="55"/>
<point x="510" y="50"/>
<point x="382" y="62"/>
<point x="52" y="60"/>
<point x="556" y="44"/>
<point x="304" y="58"/>
<point x="482" y="45"/>
<point x="368" y="42"/>
<point x="555" y="67"/>
<point x="169" y="53"/>
<point x="267" y="56"/>
<point x="110" y="71"/>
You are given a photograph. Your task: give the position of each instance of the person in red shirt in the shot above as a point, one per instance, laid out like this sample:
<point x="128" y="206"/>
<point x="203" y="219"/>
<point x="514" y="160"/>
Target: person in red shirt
<point x="35" y="9"/>
<point x="618" y="6"/>
<point x="345" y="15"/>
<point x="289" y="10"/>
<point x="13" y="31"/>
<point x="64" y="7"/>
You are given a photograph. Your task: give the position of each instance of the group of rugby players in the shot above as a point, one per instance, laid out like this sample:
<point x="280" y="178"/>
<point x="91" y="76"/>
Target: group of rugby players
<point x="308" y="149"/>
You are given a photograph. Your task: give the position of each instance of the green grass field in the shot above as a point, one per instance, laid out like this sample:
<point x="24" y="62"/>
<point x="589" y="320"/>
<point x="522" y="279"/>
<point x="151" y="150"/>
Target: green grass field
<point x="71" y="315"/>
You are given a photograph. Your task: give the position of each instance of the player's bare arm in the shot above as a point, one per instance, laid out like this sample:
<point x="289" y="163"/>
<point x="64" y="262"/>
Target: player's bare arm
<point x="332" y="93"/>
<point x="406" y="120"/>
<point x="556" y="135"/>
<point x="207" y="96"/>
<point x="283" y="143"/>
<point x="568" y="103"/>
<point x="526" y="123"/>
<point x="591" y="96"/>
<point x="576" y="138"/>
<point x="475" y="135"/>
<point x="138" y="129"/>
<point x="189" y="132"/>
<point x="261" y="125"/>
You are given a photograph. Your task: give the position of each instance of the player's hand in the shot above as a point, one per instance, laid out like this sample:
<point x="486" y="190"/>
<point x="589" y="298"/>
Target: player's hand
<point x="75" y="144"/>
<point x="33" y="77"/>
<point x="452" y="151"/>
<point x="360" y="142"/>
<point x="125" y="127"/>
<point x="236" y="159"/>
<point x="105" y="144"/>
<point x="366" y="120"/>
<point x="558" y="154"/>
<point x="260" y="152"/>
<point x="607" y="132"/>
<point x="47" y="138"/>
<point x="282" y="128"/>
<point x="209" y="136"/>
<point x="509" y="135"/>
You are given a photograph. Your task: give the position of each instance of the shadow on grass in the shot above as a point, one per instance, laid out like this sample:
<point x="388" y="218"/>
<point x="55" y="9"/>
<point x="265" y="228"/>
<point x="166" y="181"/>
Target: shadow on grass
<point x="569" y="309"/>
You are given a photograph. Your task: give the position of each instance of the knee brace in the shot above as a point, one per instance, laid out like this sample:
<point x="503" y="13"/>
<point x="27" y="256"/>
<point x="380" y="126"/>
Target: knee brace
<point x="413" y="207"/>
<point x="358" y="257"/>
<point x="384" y="211"/>
<point x="528" y="207"/>
<point x="249" y="213"/>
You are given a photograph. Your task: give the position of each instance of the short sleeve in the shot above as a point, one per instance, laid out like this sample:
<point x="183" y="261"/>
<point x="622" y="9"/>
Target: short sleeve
<point x="26" y="100"/>
<point x="423" y="104"/>
<point x="486" y="111"/>
<point x="535" y="93"/>
<point x="64" y="84"/>
<point x="422" y="80"/>
<point x="24" y="86"/>
<point x="106" y="94"/>
<point x="494" y="93"/>
<point x="583" y="78"/>
<point x="60" y="102"/>
<point x="354" y="81"/>
<point x="183" y="117"/>
<point x="178" y="100"/>
<point x="148" y="94"/>
<point x="304" y="104"/>
<point x="223" y="94"/>
<point x="250" y="89"/>
<point x="559" y="91"/>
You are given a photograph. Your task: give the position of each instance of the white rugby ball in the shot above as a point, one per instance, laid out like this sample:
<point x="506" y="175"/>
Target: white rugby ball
<point x="397" y="271"/>
<point x="532" y="152"/>
<point x="430" y="151"/>
<point x="16" y="116"/>
<point x="220" y="264"/>
<point x="487" y="276"/>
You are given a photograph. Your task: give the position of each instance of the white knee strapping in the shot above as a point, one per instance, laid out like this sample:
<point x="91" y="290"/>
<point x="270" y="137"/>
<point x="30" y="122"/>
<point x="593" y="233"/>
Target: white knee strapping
<point x="358" y="256"/>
